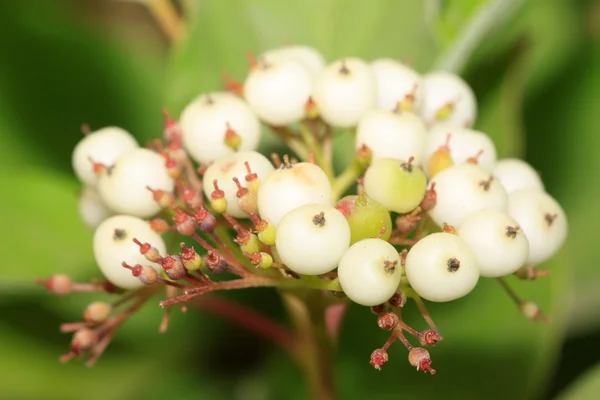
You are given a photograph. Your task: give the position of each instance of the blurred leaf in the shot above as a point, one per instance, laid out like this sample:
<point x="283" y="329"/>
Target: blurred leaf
<point x="585" y="388"/>
<point x="221" y="34"/>
<point x="42" y="230"/>
<point x="59" y="74"/>
<point x="564" y="147"/>
<point x="449" y="17"/>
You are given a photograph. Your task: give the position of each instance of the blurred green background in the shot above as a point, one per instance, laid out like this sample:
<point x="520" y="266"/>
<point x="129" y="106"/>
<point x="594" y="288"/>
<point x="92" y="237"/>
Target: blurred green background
<point x="67" y="62"/>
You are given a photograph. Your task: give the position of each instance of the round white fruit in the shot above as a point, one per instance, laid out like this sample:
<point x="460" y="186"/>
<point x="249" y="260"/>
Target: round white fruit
<point x="277" y="91"/>
<point x="370" y="272"/>
<point x="103" y="146"/>
<point x="447" y="99"/>
<point x="496" y="240"/>
<point x="124" y="187"/>
<point x="233" y="166"/>
<point x="542" y="220"/>
<point x="92" y="209"/>
<point x="206" y="119"/>
<point x="515" y="174"/>
<point x="292" y="186"/>
<point x="464" y="189"/>
<point x="392" y="135"/>
<point x="345" y="91"/>
<point x="397" y="84"/>
<point x="441" y="267"/>
<point x="312" y="239"/>
<point x="113" y="245"/>
<point x="464" y="144"/>
<point x="307" y="56"/>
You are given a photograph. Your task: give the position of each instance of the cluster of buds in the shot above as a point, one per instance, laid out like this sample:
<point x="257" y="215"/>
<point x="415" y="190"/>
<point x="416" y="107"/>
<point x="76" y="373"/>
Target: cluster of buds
<point x="433" y="212"/>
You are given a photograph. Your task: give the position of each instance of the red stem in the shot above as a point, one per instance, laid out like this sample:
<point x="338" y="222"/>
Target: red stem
<point x="247" y="318"/>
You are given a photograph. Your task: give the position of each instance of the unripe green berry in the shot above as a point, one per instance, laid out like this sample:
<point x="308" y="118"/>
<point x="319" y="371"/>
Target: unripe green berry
<point x="267" y="236"/>
<point x="366" y="218"/>
<point x="397" y="185"/>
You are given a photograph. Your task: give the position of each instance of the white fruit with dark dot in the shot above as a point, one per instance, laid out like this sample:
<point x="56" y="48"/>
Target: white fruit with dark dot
<point x="345" y="91"/>
<point x="292" y="186"/>
<point x="124" y="188"/>
<point x="370" y="272"/>
<point x="515" y="174"/>
<point x="102" y="146"/>
<point x="397" y="185"/>
<point x="309" y="57"/>
<point x="443" y="89"/>
<point x="92" y="209"/>
<point x="392" y="135"/>
<point x="496" y="240"/>
<point x="464" y="189"/>
<point x="396" y="82"/>
<point x="441" y="267"/>
<point x="277" y="91"/>
<point x="113" y="245"/>
<point x="542" y="220"/>
<point x="312" y="239"/>
<point x="464" y="144"/>
<point x="204" y="124"/>
<point x="232" y="166"/>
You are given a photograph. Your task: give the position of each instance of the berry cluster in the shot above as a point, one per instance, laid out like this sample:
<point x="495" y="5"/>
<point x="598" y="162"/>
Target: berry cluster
<point x="434" y="208"/>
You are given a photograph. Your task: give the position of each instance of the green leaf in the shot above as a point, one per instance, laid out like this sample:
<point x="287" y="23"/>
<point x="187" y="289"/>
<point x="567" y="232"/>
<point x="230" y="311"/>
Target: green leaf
<point x="62" y="73"/>
<point x="585" y="388"/>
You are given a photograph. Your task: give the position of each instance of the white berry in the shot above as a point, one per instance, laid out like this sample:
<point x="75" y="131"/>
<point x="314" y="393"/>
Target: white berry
<point x="277" y="90"/>
<point x="447" y="99"/>
<point x="369" y="272"/>
<point x="103" y="146"/>
<point x="345" y="91"/>
<point x="464" y="144"/>
<point x="124" y="187"/>
<point x="206" y="120"/>
<point x="92" y="209"/>
<point x="542" y="220"/>
<point x="515" y="174"/>
<point x="441" y="267"/>
<point x="233" y="166"/>
<point x="397" y="85"/>
<point x="496" y="240"/>
<point x="392" y="135"/>
<point x="307" y="56"/>
<point x="113" y="245"/>
<point x="464" y="189"/>
<point x="292" y="186"/>
<point x="311" y="239"/>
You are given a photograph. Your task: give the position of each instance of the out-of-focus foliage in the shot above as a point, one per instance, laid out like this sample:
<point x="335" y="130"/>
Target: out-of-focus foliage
<point x="537" y="80"/>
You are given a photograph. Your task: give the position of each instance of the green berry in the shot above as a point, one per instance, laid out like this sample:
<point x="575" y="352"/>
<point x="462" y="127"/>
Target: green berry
<point x="398" y="185"/>
<point x="366" y="217"/>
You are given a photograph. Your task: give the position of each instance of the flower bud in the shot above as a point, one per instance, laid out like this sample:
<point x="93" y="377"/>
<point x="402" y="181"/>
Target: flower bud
<point x="419" y="357"/>
<point x="387" y="321"/>
<point x="378" y="358"/>
<point x="190" y="258"/>
<point x="96" y="313"/>
<point x="173" y="266"/>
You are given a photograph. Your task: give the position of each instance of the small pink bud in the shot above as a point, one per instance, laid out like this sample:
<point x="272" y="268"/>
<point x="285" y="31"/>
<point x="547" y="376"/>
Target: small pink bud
<point x="378" y="358"/>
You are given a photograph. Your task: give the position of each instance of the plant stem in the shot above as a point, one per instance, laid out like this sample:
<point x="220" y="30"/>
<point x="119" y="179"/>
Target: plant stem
<point x="346" y="179"/>
<point x="315" y="348"/>
<point x="489" y="16"/>
<point x="167" y="18"/>
<point x="247" y="318"/>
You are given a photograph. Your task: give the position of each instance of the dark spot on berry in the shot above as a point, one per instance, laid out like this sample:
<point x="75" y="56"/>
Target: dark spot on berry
<point x="319" y="219"/>
<point x="119" y="234"/>
<point x="485" y="185"/>
<point x="453" y="264"/>
<point x="511" y="231"/>
<point x="550" y="218"/>
<point x="390" y="266"/>
<point x="344" y="69"/>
